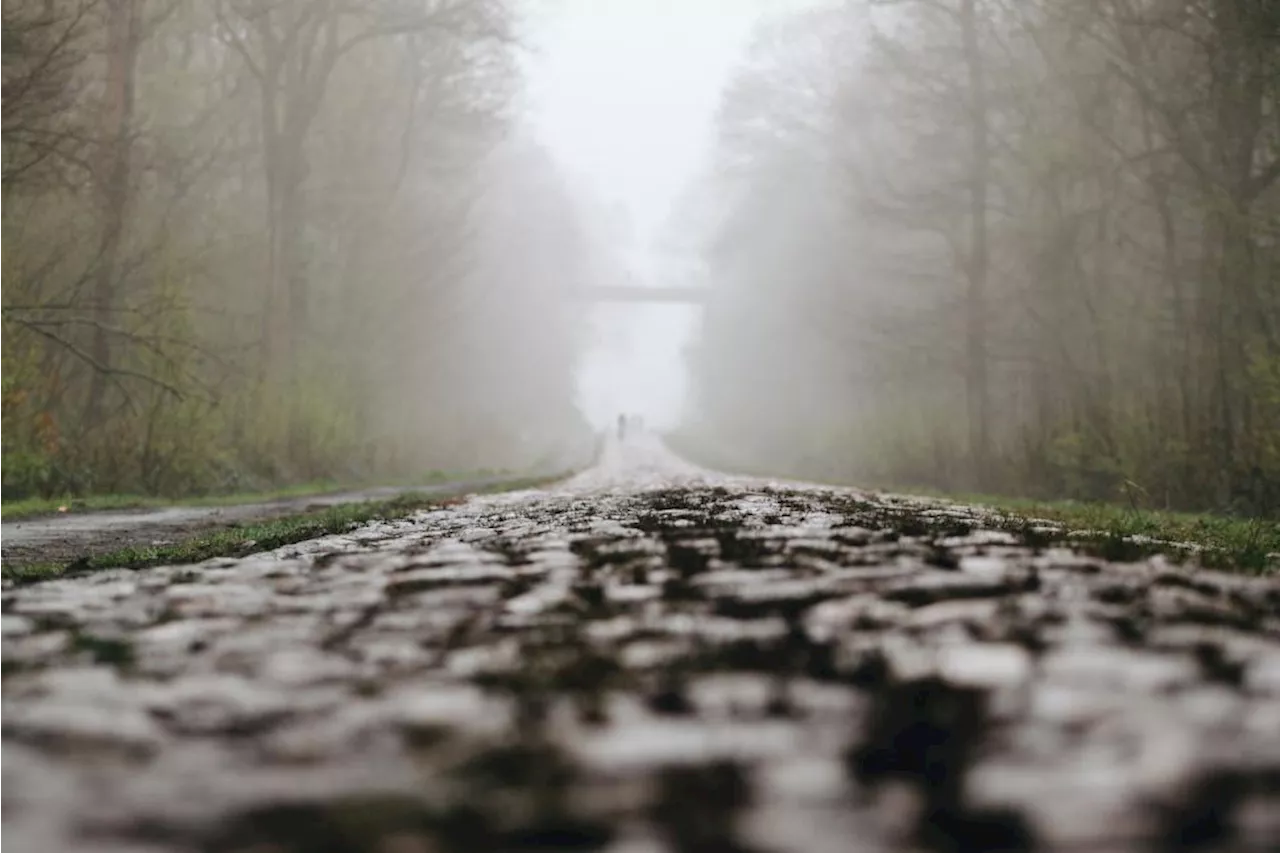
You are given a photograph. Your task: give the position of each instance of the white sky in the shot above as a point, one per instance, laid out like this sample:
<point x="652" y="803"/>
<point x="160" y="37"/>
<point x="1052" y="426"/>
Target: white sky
<point x="624" y="92"/>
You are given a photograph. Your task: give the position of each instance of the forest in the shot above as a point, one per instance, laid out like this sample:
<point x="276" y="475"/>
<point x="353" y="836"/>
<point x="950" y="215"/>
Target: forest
<point x="250" y="243"/>
<point x="1018" y="247"/>
<point x="1021" y="247"/>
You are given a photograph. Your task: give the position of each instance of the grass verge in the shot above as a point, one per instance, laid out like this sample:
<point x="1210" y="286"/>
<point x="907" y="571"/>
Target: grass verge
<point x="37" y="507"/>
<point x="1116" y="532"/>
<point x="1249" y="545"/>
<point x="1122" y="533"/>
<point x="242" y="539"/>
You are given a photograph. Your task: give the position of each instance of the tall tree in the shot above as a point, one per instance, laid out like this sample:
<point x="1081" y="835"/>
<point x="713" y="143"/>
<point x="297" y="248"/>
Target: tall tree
<point x="291" y="47"/>
<point x="1056" y="220"/>
<point x="112" y="179"/>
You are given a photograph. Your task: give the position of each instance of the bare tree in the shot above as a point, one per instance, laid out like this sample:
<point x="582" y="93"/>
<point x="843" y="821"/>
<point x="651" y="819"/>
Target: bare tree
<point x="292" y="47"/>
<point x="1057" y="219"/>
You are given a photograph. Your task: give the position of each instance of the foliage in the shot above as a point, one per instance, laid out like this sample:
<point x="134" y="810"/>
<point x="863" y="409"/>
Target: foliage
<point x="29" y="438"/>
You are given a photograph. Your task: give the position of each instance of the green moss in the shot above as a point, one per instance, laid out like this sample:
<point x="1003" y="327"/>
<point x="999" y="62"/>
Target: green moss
<point x="1123" y="533"/>
<point x="105" y="650"/>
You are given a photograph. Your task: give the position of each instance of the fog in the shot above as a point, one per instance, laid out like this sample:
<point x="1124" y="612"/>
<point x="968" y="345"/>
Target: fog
<point x="624" y="94"/>
<point x="254" y="242"/>
<point x="1027" y="247"/>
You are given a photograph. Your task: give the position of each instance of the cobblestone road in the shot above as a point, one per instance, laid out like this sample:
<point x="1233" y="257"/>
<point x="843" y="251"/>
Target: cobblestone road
<point x="646" y="658"/>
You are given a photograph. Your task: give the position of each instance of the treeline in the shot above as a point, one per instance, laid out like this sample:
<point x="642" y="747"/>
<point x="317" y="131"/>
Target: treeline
<point x="1023" y="246"/>
<point x="252" y="242"/>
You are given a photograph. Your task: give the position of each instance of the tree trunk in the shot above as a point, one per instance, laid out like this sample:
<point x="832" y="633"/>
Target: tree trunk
<point x="976" y="377"/>
<point x="113" y="188"/>
<point x="284" y="301"/>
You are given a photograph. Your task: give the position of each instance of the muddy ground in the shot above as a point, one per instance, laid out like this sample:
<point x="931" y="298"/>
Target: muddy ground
<point x="648" y="658"/>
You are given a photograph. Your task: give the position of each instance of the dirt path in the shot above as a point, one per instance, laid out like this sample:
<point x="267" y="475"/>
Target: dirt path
<point x="64" y="538"/>
<point x="647" y="658"/>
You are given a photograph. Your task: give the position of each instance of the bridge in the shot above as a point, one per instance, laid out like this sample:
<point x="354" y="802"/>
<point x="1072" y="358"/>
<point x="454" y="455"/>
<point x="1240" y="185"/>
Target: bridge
<point x="632" y="293"/>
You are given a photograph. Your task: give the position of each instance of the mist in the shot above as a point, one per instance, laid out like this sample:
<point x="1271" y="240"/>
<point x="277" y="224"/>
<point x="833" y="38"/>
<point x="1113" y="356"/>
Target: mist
<point x="976" y="245"/>
<point x="252" y="243"/>
<point x="1015" y="248"/>
<point x="640" y="425"/>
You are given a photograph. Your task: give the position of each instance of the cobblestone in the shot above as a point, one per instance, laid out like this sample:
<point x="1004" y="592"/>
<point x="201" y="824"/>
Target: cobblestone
<point x="647" y="657"/>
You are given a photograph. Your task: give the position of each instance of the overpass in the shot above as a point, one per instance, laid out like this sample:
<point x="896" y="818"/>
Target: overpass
<point x="632" y="293"/>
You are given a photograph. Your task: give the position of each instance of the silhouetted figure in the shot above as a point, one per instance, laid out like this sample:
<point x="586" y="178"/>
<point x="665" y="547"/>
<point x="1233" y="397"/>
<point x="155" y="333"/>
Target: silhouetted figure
<point x="622" y="427"/>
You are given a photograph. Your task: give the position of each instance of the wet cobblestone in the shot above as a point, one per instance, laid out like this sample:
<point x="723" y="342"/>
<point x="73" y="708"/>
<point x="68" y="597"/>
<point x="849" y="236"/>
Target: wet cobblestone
<point x="647" y="657"/>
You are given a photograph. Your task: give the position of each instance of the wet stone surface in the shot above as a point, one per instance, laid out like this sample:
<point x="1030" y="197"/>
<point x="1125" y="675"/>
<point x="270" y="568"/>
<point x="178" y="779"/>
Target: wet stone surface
<point x="647" y="658"/>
